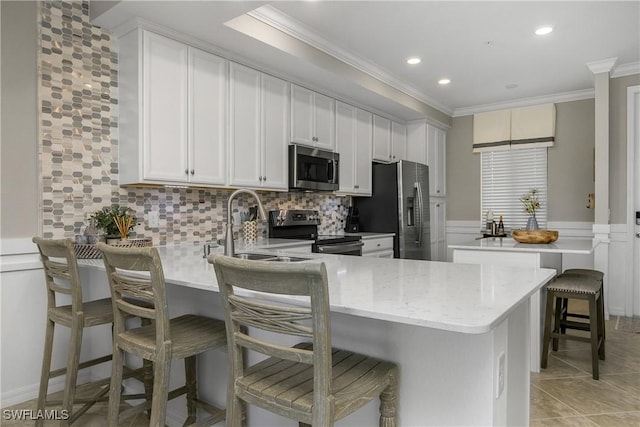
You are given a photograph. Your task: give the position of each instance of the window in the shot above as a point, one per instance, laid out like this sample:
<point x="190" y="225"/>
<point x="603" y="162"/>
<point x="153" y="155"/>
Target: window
<point x="508" y="175"/>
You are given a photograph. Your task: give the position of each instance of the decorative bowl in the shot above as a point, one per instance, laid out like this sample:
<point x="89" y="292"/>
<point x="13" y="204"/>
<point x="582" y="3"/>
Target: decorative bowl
<point x="535" y="236"/>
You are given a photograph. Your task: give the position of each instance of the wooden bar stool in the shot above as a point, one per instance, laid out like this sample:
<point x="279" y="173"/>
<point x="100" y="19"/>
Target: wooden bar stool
<point x="62" y="277"/>
<point x="311" y="382"/>
<point x="566" y="314"/>
<point x="575" y="286"/>
<point x="137" y="287"/>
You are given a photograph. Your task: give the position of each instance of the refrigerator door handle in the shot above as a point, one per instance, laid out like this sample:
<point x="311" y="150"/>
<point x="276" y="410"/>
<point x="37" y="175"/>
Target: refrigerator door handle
<point x="418" y="187"/>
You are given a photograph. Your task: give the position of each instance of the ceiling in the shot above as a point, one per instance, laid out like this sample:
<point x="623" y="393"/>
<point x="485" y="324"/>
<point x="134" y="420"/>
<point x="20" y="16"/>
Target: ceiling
<point x="357" y="50"/>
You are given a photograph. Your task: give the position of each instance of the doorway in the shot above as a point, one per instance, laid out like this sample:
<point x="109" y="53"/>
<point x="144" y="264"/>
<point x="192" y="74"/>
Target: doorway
<point x="633" y="199"/>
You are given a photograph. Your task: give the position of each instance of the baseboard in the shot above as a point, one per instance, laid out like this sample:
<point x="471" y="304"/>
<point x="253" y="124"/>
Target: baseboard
<point x="30" y="392"/>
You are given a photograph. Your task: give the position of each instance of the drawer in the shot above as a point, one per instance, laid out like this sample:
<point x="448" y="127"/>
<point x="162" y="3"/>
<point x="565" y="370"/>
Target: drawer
<point x="377" y="244"/>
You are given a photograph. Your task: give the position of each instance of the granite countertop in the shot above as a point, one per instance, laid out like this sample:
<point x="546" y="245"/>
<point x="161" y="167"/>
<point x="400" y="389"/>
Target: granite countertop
<point x="565" y="246"/>
<point x="464" y="298"/>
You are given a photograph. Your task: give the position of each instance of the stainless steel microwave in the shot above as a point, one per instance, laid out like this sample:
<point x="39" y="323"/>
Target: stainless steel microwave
<point x="313" y="169"/>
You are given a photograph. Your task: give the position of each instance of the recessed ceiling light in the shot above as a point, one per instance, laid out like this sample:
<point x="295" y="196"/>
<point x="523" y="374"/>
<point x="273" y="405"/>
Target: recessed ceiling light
<point x="444" y="81"/>
<point x="413" y="60"/>
<point x="544" y="30"/>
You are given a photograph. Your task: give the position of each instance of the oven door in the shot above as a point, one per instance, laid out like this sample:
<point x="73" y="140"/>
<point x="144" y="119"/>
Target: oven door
<point x="313" y="169"/>
<point x="347" y="248"/>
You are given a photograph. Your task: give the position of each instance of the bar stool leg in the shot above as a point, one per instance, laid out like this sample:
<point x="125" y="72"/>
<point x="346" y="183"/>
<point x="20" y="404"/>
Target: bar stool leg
<point x="192" y="394"/>
<point x="595" y="332"/>
<point x="46" y="369"/>
<point x="73" y="360"/>
<point x="547" y="330"/>
<point x="556" y="321"/>
<point x="601" y="326"/>
<point x="161" y="370"/>
<point x="115" y="391"/>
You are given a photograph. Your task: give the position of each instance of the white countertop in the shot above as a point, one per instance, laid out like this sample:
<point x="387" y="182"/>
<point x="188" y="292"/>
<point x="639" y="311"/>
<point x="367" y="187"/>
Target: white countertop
<point x="564" y="246"/>
<point x="463" y="298"/>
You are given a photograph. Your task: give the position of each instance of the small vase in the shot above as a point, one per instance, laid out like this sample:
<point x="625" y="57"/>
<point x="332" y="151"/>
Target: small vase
<point x="532" y="223"/>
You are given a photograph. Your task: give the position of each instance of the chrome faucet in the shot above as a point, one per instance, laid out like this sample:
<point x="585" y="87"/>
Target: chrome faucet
<point x="228" y="240"/>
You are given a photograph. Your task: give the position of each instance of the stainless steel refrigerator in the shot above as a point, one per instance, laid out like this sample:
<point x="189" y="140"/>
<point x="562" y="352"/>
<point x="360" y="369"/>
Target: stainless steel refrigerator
<point x="400" y="205"/>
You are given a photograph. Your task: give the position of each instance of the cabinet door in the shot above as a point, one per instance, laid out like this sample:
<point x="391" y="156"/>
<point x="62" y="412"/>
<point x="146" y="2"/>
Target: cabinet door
<point x="325" y="119"/>
<point x="438" y="230"/>
<point x="417" y="142"/>
<point x="245" y="135"/>
<point x="436" y="157"/>
<point x="432" y="159"/>
<point x="363" y="152"/>
<point x="302" y="116"/>
<point x="441" y="161"/>
<point x="207" y="118"/>
<point x="346" y="145"/>
<point x="164" y="109"/>
<point x="381" y="139"/>
<point x="275" y="132"/>
<point x="398" y="142"/>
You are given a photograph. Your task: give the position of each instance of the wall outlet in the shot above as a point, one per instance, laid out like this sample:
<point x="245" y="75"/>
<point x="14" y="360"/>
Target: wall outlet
<point x="153" y="219"/>
<point x="500" y="373"/>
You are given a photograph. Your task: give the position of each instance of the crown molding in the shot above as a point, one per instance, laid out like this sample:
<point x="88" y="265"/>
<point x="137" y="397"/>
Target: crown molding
<point x="290" y="26"/>
<point x="525" y="102"/>
<point x="603" y="66"/>
<point x="626" y="70"/>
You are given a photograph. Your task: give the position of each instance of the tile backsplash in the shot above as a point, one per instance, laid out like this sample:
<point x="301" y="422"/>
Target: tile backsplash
<point x="78" y="150"/>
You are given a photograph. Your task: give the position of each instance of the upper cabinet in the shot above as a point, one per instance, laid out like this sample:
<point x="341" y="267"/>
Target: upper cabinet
<point x="389" y="140"/>
<point x="259" y="126"/>
<point x="174" y="102"/>
<point x="354" y="139"/>
<point x="312" y="118"/>
<point x="427" y="144"/>
<point x="398" y="142"/>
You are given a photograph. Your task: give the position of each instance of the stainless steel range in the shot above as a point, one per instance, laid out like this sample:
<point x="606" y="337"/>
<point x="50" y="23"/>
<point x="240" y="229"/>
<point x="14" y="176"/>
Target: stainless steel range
<point x="303" y="225"/>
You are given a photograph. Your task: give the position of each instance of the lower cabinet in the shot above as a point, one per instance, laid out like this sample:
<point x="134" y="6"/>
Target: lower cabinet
<point x="378" y="247"/>
<point x="438" y="213"/>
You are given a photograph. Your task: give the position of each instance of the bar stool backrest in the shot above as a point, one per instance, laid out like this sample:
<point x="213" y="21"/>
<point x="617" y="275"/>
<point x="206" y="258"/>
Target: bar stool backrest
<point x="137" y="287"/>
<point x="60" y="271"/>
<point x="310" y="321"/>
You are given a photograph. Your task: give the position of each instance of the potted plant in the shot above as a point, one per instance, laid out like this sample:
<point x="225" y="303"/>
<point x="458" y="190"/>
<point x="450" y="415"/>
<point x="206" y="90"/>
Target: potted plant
<point x="531" y="204"/>
<point x="116" y="221"/>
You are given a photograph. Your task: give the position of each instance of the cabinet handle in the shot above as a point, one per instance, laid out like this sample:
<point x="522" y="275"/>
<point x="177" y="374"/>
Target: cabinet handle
<point x="437" y="191"/>
<point x="264" y="178"/>
<point x="438" y="205"/>
<point x="356" y="186"/>
<point x="260" y="178"/>
<point x="186" y="171"/>
<point x="192" y="171"/>
<point x="378" y="244"/>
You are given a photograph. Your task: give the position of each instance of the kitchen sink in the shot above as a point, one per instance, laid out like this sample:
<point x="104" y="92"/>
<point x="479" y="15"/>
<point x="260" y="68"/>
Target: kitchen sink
<point x="268" y="257"/>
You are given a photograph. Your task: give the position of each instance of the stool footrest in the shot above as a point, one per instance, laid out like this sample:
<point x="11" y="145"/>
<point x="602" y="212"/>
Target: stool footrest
<point x="575" y="325"/>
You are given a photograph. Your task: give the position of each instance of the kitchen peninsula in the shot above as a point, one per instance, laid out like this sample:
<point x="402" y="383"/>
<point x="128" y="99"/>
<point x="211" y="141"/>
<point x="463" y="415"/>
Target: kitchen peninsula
<point x="459" y="333"/>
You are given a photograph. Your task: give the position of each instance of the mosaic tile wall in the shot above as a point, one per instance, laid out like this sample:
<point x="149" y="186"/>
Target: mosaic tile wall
<point x="78" y="98"/>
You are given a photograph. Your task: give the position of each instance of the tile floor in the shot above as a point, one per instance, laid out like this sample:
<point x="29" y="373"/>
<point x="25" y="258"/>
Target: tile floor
<point x="564" y="394"/>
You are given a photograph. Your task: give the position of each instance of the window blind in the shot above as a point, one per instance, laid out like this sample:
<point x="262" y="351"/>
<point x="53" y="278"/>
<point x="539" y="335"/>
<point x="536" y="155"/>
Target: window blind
<point x="507" y="176"/>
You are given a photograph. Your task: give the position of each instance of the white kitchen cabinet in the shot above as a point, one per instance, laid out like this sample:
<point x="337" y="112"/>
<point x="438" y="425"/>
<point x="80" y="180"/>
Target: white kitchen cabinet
<point x="389" y="140"/>
<point x="427" y="144"/>
<point x="379" y="247"/>
<point x="354" y="144"/>
<point x="208" y="118"/>
<point x="258" y="129"/>
<point x="398" y="142"/>
<point x="172" y="112"/>
<point x="381" y="139"/>
<point x="312" y="118"/>
<point x="438" y="215"/>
